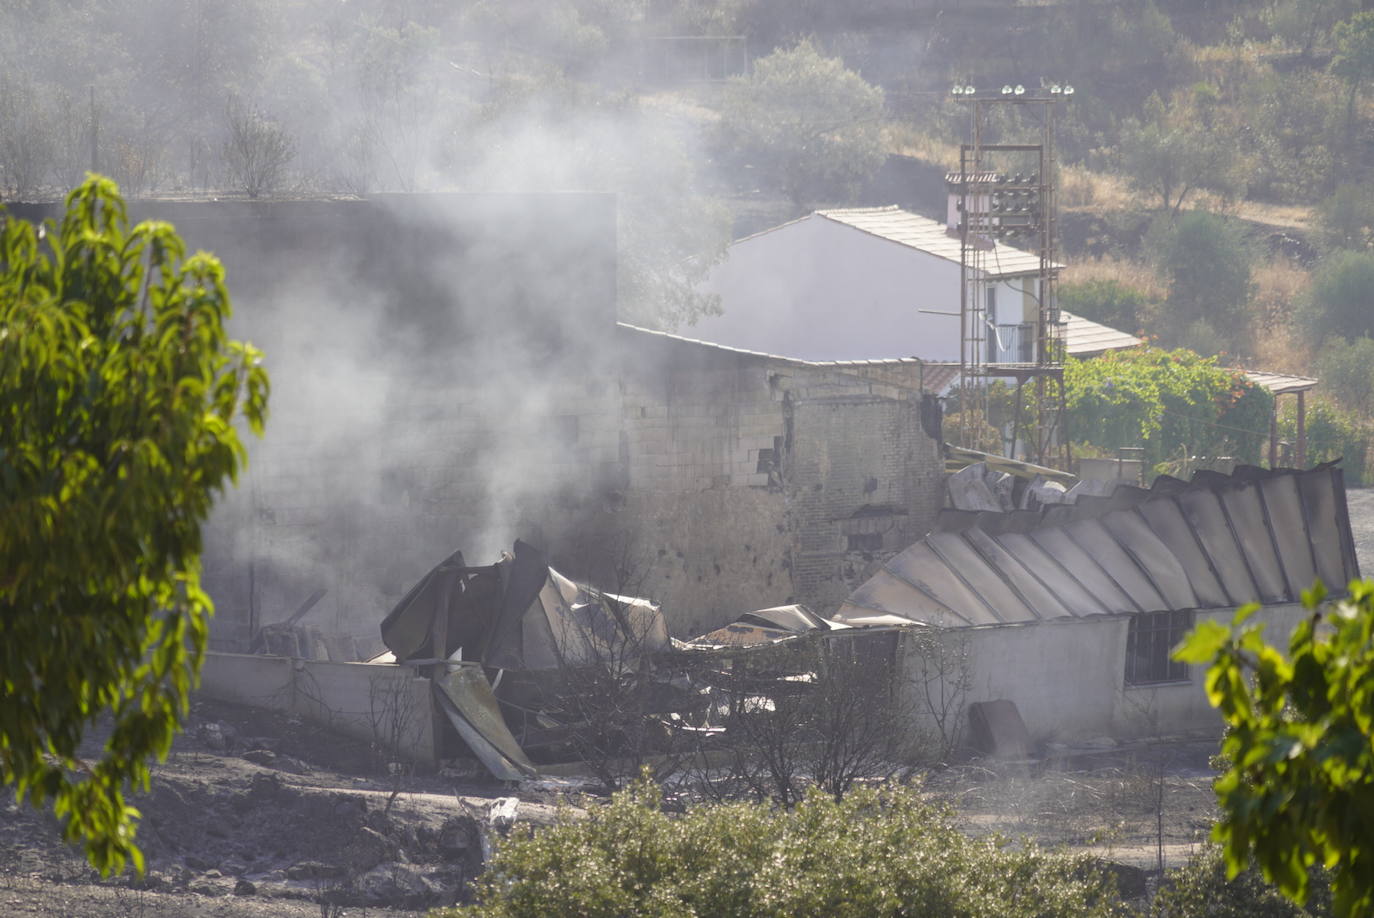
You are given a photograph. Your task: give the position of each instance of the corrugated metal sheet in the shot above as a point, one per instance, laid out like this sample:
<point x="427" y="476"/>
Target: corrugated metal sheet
<point x="1216" y="542"/>
<point x="905" y="228"/>
<point x="1279" y="383"/>
<point x="936" y="377"/>
<point x="1086" y="338"/>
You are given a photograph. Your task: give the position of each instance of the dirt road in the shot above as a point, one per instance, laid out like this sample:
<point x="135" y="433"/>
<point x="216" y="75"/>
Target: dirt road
<point x="1361" y="503"/>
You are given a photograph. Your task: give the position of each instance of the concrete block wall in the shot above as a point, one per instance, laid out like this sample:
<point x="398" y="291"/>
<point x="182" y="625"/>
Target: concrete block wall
<point x="713" y="482"/>
<point x="865" y="482"/>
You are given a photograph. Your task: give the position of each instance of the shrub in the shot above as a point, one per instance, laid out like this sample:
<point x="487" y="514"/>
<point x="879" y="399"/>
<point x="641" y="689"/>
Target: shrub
<point x="1107" y="301"/>
<point x="875" y="853"/>
<point x="1346" y="369"/>
<point x="1200" y="890"/>
<point x="1331" y="434"/>
<point x="1342" y="297"/>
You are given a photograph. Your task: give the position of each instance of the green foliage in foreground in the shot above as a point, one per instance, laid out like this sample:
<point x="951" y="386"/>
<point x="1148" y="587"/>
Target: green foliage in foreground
<point x="1170" y="402"/>
<point x="876" y="853"/>
<point x="1299" y="788"/>
<point x="119" y="393"/>
<point x="1202" y="889"/>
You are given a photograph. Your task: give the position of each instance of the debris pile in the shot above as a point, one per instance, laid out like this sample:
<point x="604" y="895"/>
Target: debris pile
<point x="528" y="667"/>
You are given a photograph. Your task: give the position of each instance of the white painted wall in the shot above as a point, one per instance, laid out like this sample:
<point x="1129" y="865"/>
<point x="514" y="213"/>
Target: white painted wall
<point x="818" y="290"/>
<point x="361" y="700"/>
<point x="1067" y="676"/>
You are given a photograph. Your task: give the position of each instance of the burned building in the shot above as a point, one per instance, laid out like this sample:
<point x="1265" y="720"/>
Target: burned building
<point x="1070" y="610"/>
<point x="447" y="370"/>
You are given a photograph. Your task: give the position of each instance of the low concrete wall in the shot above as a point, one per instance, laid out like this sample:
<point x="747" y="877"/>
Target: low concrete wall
<point x="380" y="703"/>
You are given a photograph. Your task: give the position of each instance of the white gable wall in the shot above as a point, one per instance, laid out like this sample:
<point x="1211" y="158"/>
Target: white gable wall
<point x="819" y="290"/>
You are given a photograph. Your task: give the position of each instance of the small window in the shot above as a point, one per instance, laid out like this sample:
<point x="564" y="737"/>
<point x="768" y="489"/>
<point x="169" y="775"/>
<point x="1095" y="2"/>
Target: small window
<point x="765" y="461"/>
<point x="1149" y="640"/>
<point x="865" y="541"/>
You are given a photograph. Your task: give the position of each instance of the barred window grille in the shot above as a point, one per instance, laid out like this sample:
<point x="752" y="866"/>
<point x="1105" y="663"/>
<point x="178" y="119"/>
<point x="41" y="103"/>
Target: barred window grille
<point x="1149" y="640"/>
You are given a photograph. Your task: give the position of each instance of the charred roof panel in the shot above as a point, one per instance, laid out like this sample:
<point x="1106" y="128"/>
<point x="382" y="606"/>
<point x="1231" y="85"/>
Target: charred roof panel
<point x="1084" y="568"/>
<point x="1215" y="542"/>
<point x="1159" y="565"/>
<point x="1203" y="511"/>
<point x="1246" y="513"/>
<point x="1166" y="518"/>
<point x="1064" y="587"/>
<point x="1283" y="504"/>
<point x="1021" y="577"/>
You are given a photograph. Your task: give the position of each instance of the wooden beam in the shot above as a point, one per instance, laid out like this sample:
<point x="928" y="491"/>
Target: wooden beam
<point x="1302" y="429"/>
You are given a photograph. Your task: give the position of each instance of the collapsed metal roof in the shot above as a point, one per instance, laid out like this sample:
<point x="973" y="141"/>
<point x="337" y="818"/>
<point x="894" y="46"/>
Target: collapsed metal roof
<point x="1215" y="542"/>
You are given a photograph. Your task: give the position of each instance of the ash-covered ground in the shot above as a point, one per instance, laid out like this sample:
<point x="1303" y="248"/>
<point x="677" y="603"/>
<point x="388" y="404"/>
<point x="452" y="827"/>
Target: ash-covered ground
<point x="257" y="814"/>
<point x="260" y="815"/>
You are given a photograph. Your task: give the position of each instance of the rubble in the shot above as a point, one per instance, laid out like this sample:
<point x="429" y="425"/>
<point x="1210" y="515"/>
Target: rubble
<point x="509" y="648"/>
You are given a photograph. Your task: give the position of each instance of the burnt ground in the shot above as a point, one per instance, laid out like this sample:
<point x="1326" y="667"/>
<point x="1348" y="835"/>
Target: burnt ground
<point x="259" y="815"/>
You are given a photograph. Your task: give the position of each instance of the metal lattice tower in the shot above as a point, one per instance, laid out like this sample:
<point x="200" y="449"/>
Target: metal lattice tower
<point x="1007" y="193"/>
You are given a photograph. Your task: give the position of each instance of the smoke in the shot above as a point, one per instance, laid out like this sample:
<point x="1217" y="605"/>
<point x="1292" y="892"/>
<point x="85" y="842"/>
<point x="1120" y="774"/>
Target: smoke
<point x="444" y="370"/>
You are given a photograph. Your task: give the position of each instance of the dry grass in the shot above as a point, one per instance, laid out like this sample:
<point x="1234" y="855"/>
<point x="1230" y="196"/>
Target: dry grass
<point x="1122" y="270"/>
<point x="1279" y="345"/>
<point x="1280" y="283"/>
<point x="906" y="140"/>
<point x="1082" y="189"/>
<point x="1288" y="216"/>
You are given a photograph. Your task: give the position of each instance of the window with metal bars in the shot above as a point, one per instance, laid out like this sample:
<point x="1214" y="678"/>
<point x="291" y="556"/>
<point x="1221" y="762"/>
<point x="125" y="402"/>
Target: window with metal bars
<point x="1149" y="640"/>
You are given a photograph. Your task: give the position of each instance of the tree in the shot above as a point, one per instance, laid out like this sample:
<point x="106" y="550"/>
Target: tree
<point x="119" y="396"/>
<point x="1346" y="369"/>
<point x="1347" y="218"/>
<point x="26" y="147"/>
<point x="1207" y="261"/>
<point x="1354" y="63"/>
<point x="1341" y="301"/>
<point x="1107" y="301"/>
<point x="809" y="124"/>
<point x="1299" y="785"/>
<point x="257" y="150"/>
<point x="1303" y="23"/>
<point x="1176" y="149"/>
